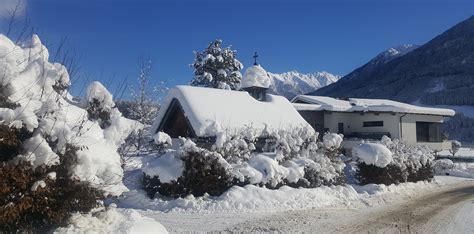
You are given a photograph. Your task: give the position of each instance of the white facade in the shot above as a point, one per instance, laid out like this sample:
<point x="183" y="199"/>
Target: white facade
<point x="370" y="119"/>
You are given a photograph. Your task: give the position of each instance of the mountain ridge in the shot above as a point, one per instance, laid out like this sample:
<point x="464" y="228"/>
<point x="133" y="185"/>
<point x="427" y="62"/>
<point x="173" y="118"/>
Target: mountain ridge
<point x="440" y="72"/>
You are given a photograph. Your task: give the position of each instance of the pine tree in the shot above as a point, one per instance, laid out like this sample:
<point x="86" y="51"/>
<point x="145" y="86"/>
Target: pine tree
<point x="217" y="67"/>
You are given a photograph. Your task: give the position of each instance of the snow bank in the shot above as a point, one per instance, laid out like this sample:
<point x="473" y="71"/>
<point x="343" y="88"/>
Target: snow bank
<point x="255" y="76"/>
<point x="112" y="220"/>
<point x="258" y="199"/>
<point x="373" y="154"/>
<point x="45" y="108"/>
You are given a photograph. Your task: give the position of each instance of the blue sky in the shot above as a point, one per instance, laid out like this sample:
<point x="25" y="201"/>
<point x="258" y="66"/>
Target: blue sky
<point x="336" y="36"/>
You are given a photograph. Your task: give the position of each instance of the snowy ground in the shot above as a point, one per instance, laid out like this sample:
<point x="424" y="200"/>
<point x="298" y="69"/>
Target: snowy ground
<point x="443" y="205"/>
<point x="463" y="152"/>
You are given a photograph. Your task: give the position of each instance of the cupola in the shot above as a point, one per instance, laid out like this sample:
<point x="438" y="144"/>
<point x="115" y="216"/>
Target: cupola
<point x="256" y="81"/>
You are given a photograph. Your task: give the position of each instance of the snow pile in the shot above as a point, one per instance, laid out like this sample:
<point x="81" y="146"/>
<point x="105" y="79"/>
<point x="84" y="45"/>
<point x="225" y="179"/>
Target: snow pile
<point x="255" y="76"/>
<point x="34" y="97"/>
<point x="112" y="220"/>
<point x="251" y="198"/>
<point x="373" y="154"/>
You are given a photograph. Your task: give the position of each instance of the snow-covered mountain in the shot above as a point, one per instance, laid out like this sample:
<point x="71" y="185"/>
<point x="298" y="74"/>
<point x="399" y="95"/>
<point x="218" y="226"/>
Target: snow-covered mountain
<point x="292" y="83"/>
<point x="392" y="53"/>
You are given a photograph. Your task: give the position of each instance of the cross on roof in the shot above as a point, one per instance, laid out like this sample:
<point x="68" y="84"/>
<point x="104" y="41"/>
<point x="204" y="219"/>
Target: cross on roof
<point x="255" y="59"/>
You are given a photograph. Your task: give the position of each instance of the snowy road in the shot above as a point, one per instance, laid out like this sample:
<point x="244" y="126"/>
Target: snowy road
<point x="444" y="209"/>
<point x="447" y="211"/>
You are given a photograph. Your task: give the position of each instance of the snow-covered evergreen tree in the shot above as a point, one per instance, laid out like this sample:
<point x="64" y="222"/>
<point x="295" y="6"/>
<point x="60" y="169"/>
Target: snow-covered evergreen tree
<point x="217" y="67"/>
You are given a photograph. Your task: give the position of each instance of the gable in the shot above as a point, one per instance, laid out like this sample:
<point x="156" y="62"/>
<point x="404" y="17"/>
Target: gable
<point x="175" y="123"/>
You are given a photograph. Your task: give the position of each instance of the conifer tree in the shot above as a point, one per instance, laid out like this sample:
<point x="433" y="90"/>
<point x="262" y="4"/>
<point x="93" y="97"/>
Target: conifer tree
<point x="217" y="67"/>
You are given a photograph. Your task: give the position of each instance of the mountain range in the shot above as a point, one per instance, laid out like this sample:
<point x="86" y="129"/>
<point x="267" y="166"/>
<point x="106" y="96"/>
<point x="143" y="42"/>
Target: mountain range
<point x="292" y="83"/>
<point x="440" y="72"/>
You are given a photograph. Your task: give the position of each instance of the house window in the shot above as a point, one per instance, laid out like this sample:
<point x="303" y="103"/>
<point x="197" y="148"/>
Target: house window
<point x="373" y="124"/>
<point x="428" y="132"/>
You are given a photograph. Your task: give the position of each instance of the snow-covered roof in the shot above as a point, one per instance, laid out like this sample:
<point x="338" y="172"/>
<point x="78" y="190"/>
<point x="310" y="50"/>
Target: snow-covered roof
<point x="212" y="110"/>
<point x="255" y="76"/>
<point x="364" y="105"/>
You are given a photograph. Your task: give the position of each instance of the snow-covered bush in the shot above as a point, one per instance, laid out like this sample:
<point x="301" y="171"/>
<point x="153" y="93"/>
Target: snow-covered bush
<point x="192" y="170"/>
<point x="442" y="165"/>
<point x="217" y="67"/>
<point x="292" y="157"/>
<point x="99" y="104"/>
<point x="44" y="197"/>
<point x="393" y="162"/>
<point x="162" y="141"/>
<point x="44" y="134"/>
<point x="455" y="146"/>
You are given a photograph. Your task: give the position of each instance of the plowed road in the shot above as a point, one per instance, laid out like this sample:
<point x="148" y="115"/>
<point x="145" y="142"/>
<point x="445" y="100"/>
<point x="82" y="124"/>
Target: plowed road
<point x="450" y="210"/>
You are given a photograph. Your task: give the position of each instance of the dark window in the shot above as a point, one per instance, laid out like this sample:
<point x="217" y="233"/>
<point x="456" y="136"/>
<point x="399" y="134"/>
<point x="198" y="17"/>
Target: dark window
<point x="340" y="128"/>
<point x="373" y="124"/>
<point x="428" y="132"/>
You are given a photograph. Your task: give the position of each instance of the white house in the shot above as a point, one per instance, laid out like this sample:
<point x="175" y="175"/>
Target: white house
<point x="201" y="113"/>
<point x="370" y="119"/>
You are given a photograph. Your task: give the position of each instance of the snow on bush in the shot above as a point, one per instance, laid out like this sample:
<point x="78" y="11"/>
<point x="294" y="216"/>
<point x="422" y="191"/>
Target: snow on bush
<point x="287" y="157"/>
<point x="34" y="104"/>
<point x="373" y="154"/>
<point x="168" y="167"/>
<point x="332" y="140"/>
<point x="58" y="153"/>
<point x="442" y="165"/>
<point x="409" y="163"/>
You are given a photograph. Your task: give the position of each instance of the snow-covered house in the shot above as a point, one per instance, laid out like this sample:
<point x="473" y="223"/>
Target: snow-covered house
<point x="370" y="119"/>
<point x="201" y="113"/>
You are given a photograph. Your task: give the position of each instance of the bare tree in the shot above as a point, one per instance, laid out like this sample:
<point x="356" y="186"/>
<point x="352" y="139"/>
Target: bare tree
<point x="143" y="107"/>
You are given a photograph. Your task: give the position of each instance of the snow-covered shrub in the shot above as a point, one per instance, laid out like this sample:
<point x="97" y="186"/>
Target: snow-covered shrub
<point x="162" y="141"/>
<point x="11" y="141"/>
<point x="442" y="165"/>
<point x="192" y="170"/>
<point x="45" y="133"/>
<point x="393" y="162"/>
<point x="292" y="157"/>
<point x="99" y="104"/>
<point x="37" y="199"/>
<point x="455" y="146"/>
